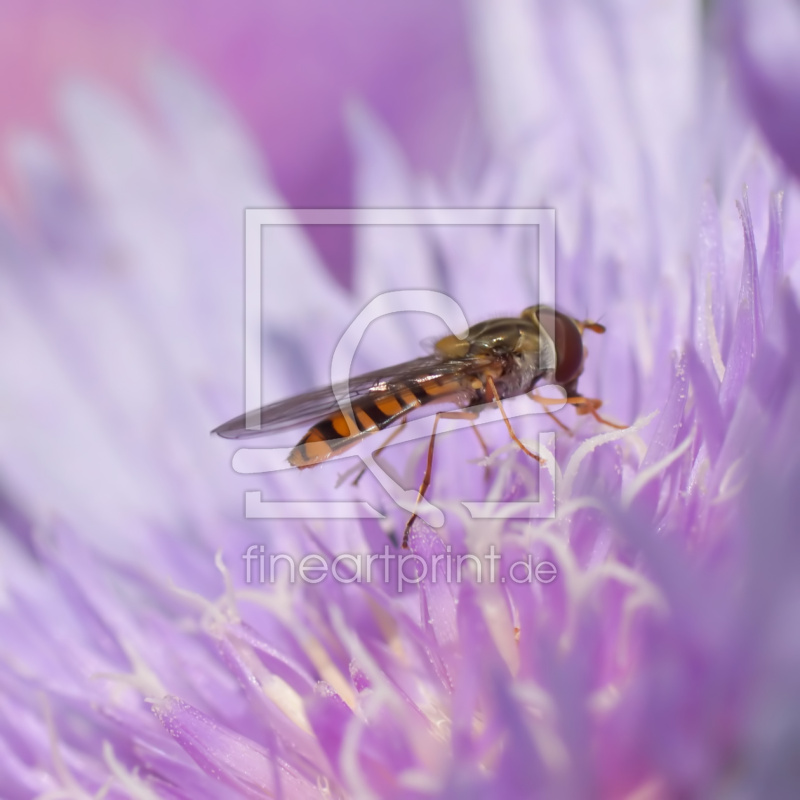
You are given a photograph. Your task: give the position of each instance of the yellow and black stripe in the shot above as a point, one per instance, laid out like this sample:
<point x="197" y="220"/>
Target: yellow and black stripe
<point x="371" y="413"/>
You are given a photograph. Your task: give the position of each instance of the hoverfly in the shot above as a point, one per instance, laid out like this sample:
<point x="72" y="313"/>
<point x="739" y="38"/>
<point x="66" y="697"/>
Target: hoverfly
<point x="496" y="359"/>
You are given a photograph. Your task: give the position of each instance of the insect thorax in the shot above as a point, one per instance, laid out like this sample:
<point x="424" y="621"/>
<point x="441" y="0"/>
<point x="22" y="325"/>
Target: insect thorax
<point x="526" y="356"/>
<point x="525" y="369"/>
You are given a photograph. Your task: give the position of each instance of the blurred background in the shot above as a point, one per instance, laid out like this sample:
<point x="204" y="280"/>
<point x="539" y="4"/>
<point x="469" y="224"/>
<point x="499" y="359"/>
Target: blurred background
<point x="288" y="70"/>
<point x="135" y="133"/>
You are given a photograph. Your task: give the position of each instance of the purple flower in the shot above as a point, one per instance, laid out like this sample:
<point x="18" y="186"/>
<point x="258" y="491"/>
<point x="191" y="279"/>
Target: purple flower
<point x="763" y="41"/>
<point x="288" y="69"/>
<point x="639" y="643"/>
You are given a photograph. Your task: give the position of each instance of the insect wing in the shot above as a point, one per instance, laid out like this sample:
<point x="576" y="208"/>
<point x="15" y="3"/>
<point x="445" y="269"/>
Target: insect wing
<point x="307" y="409"/>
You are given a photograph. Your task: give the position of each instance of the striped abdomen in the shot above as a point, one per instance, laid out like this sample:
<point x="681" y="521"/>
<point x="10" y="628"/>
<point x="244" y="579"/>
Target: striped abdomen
<point x="371" y="413"/>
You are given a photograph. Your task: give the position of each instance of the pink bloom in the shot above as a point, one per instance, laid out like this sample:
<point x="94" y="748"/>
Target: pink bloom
<point x="660" y="661"/>
<point x="764" y="44"/>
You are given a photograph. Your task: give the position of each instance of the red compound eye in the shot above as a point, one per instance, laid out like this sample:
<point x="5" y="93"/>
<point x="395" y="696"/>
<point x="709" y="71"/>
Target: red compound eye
<point x="568" y="340"/>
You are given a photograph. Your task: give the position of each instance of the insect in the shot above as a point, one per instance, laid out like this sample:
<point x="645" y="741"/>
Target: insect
<point x="496" y="359"/>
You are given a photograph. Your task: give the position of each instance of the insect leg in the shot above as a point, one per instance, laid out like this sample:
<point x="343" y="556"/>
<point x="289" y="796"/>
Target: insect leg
<point x="481" y="441"/>
<point x="496" y="397"/>
<point x="583" y="405"/>
<point x="536" y="399"/>
<point x="589" y="405"/>
<point x="588" y="325"/>
<point x="470" y="415"/>
<point x="380" y="449"/>
<point x="426" y="478"/>
<point x="485" y="449"/>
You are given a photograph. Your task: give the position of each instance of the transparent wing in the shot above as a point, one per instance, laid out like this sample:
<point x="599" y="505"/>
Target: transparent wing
<point x="307" y="409"/>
